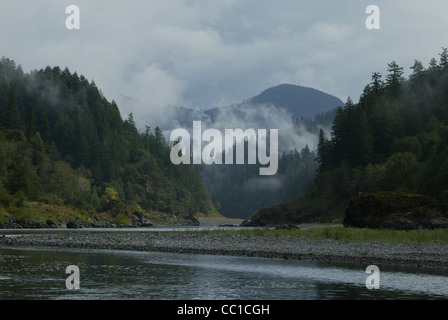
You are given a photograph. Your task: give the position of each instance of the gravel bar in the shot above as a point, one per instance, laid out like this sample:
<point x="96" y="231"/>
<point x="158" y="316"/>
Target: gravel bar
<point x="283" y="247"/>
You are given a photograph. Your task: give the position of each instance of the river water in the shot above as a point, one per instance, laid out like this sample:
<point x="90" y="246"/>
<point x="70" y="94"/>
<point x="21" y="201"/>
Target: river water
<point x="39" y="273"/>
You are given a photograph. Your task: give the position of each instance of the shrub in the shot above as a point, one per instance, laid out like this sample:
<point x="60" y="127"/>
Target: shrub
<point x="121" y="219"/>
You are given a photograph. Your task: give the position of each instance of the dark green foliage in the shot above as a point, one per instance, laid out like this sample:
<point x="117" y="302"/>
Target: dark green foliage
<point x="394" y="79"/>
<point x="62" y="141"/>
<point x="394" y="139"/>
<point x="12" y="115"/>
<point x="351" y="138"/>
<point x="240" y="191"/>
<point x="396" y="210"/>
<point x="323" y="152"/>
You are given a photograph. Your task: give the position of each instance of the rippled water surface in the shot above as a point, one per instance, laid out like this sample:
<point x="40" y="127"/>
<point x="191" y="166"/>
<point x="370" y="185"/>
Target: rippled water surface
<point x="39" y="273"/>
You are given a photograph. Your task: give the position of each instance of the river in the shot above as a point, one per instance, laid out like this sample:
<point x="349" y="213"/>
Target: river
<point x="29" y="273"/>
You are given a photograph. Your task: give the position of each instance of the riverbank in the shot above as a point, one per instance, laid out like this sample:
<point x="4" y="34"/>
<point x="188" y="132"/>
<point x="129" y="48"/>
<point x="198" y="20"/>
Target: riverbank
<point x="427" y="255"/>
<point x="35" y="215"/>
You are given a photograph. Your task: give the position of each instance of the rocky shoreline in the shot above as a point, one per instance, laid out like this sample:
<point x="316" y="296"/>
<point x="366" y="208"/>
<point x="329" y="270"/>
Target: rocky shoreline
<point x="13" y="223"/>
<point x="140" y="222"/>
<point x="282" y="247"/>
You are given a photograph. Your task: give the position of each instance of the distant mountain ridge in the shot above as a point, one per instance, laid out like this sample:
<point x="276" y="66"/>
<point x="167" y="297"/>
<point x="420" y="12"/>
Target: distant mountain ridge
<point x="293" y="100"/>
<point x="239" y="191"/>
<point x="299" y="101"/>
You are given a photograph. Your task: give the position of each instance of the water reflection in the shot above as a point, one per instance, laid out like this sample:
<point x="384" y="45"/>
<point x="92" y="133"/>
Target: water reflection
<point x="39" y="273"/>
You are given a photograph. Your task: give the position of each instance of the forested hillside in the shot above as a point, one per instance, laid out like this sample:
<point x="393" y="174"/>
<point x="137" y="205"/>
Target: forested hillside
<point x="394" y="139"/>
<point x="240" y="192"/>
<point x="62" y="142"/>
<point x="298" y="113"/>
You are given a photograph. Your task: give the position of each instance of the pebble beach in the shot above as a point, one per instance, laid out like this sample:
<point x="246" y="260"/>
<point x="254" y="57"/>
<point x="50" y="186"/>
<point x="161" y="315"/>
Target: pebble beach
<point x="279" y="247"/>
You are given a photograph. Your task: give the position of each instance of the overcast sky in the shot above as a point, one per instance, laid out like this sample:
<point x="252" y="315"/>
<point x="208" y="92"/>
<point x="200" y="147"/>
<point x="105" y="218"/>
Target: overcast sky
<point x="208" y="53"/>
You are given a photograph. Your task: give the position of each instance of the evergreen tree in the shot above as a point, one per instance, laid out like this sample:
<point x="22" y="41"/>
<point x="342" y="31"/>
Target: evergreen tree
<point x="444" y="59"/>
<point x="323" y="152"/>
<point x="31" y="122"/>
<point x="2" y="117"/>
<point x="377" y="83"/>
<point x="418" y="71"/>
<point x="359" y="139"/>
<point x="340" y="132"/>
<point x="12" y="115"/>
<point x="395" y="78"/>
<point x="45" y="129"/>
<point x="81" y="146"/>
<point x="434" y="66"/>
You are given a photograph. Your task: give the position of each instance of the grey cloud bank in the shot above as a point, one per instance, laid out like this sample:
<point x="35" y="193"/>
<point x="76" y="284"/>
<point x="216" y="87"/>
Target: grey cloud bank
<point x="204" y="54"/>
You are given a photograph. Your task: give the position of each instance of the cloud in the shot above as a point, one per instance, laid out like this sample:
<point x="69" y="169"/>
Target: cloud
<point x="332" y="33"/>
<point x="202" y="53"/>
<point x="273" y="183"/>
<point x="248" y="116"/>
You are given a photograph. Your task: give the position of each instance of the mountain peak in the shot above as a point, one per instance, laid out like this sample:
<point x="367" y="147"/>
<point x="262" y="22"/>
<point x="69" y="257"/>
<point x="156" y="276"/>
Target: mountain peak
<point x="298" y="100"/>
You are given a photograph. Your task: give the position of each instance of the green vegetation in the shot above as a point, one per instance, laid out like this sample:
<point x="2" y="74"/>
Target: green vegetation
<point x="31" y="212"/>
<point x="394" y="139"/>
<point x="240" y="191"/>
<point x="62" y="143"/>
<point x="345" y="234"/>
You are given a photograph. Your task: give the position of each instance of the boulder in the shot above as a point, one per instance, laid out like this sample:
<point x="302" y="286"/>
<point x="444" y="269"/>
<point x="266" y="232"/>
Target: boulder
<point x="145" y="222"/>
<point x="287" y="227"/>
<point x="141" y="220"/>
<point x="36" y="225"/>
<point x="394" y="210"/>
<point x="272" y="216"/>
<point x="192" y="220"/>
<point x="51" y="224"/>
<point x="72" y="225"/>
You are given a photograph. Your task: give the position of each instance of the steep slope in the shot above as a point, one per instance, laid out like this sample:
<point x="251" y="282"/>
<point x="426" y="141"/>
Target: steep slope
<point x="62" y="142"/>
<point x="394" y="139"/>
<point x="238" y="190"/>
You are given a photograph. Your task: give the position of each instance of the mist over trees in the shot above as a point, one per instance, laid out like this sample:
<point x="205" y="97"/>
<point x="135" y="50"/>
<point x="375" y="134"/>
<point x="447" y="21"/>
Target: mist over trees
<point x="298" y="113"/>
<point x="394" y="139"/>
<point x="239" y="191"/>
<point x="62" y="141"/>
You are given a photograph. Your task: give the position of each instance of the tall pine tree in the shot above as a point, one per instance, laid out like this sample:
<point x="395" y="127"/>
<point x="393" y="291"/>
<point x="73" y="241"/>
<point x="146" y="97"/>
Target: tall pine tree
<point x="323" y="152"/>
<point x="394" y="79"/>
<point x="12" y="114"/>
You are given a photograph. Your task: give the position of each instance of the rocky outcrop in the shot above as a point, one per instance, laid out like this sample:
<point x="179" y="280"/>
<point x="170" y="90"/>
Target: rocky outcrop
<point x="398" y="211"/>
<point x="192" y="220"/>
<point x="51" y="224"/>
<point x="272" y="216"/>
<point x="140" y="220"/>
<point x="13" y="223"/>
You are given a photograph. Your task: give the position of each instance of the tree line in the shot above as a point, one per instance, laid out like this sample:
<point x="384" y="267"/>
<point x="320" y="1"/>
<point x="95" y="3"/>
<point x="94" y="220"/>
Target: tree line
<point x="395" y="138"/>
<point x="62" y="141"/>
<point x="239" y="191"/>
